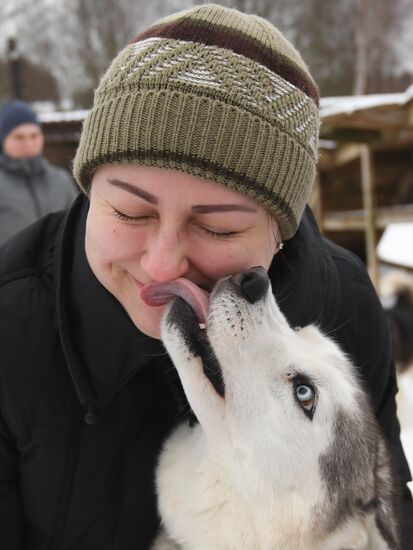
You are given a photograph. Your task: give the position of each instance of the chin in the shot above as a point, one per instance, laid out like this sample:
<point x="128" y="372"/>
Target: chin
<point x="146" y="318"/>
<point x="150" y="331"/>
<point x="149" y="322"/>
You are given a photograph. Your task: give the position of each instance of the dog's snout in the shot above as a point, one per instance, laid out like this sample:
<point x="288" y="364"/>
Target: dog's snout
<point x="252" y="283"/>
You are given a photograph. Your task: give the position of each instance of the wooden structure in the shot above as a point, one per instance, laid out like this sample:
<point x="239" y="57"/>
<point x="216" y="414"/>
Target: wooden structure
<point x="62" y="133"/>
<point x="365" y="176"/>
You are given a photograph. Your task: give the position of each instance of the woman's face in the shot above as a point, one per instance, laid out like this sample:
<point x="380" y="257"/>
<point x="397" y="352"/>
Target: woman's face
<point x="148" y="224"/>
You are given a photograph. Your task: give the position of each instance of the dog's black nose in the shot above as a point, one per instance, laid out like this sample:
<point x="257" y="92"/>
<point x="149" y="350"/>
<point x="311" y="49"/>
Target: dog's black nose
<point x="253" y="283"/>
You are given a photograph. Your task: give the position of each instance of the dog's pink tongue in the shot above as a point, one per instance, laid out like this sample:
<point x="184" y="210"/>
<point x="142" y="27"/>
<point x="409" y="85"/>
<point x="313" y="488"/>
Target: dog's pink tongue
<point x="158" y="294"/>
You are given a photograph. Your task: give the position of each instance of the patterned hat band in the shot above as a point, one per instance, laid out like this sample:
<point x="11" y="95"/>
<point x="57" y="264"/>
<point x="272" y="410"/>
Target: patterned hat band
<point x="245" y="117"/>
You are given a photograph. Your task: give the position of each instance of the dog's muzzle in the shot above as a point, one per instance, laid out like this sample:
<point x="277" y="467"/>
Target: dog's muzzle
<point x="252" y="284"/>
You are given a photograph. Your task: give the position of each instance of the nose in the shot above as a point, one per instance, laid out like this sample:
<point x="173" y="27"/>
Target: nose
<point x="253" y="283"/>
<point x="165" y="258"/>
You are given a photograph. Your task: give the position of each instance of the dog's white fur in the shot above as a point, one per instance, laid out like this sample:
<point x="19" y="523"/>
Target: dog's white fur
<point x="248" y="476"/>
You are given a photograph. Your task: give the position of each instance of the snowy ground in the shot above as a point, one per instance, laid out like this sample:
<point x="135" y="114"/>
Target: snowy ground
<point x="405" y="412"/>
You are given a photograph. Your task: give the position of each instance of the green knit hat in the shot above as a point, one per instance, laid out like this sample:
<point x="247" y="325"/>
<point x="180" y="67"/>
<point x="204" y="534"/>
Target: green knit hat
<point x="214" y="93"/>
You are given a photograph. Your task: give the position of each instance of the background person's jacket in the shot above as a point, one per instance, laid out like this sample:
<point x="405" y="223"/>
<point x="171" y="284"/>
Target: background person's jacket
<point x="30" y="189"/>
<point x="86" y="399"/>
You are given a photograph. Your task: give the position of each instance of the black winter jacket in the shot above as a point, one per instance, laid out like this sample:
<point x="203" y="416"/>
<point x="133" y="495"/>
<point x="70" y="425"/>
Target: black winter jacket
<point x="86" y="399"/>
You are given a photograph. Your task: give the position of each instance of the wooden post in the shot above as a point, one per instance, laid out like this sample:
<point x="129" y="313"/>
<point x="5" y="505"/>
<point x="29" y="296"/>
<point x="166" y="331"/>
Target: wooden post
<point x="367" y="184"/>
<point x="15" y="67"/>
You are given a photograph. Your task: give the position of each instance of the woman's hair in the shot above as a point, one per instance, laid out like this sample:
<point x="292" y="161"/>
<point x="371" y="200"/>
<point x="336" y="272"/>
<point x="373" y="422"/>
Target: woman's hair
<point x="214" y="93"/>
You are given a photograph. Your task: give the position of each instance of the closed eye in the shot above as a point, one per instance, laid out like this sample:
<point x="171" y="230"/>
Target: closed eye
<point x="134" y="219"/>
<point x="130" y="219"/>
<point x="218" y="234"/>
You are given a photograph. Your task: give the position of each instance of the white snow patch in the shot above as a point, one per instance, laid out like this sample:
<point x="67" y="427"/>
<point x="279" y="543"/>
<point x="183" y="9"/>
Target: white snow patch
<point x="395" y="245"/>
<point x="63" y="116"/>
<point x="347" y="105"/>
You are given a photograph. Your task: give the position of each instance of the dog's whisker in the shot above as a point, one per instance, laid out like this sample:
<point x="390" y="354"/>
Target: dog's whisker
<point x="280" y="298"/>
<point x="339" y="327"/>
<point x="151" y="355"/>
<point x="170" y="369"/>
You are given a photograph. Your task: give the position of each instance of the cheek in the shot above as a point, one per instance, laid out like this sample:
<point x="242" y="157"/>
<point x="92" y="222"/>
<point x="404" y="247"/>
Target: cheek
<point x="222" y="259"/>
<point x="109" y="243"/>
<point x="266" y="257"/>
<point x="37" y="144"/>
<point x="12" y="147"/>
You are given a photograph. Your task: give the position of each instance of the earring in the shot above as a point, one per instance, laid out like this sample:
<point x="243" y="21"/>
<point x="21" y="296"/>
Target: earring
<point x="281" y="246"/>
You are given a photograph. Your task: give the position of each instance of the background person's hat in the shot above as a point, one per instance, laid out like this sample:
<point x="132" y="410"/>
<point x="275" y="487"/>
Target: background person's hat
<point x="214" y="93"/>
<point x="14" y="113"/>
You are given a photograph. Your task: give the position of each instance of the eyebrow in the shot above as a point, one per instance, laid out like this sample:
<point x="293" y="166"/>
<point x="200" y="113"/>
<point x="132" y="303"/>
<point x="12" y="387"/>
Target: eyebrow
<point x="209" y="208"/>
<point x="135" y="190"/>
<point x="197" y="208"/>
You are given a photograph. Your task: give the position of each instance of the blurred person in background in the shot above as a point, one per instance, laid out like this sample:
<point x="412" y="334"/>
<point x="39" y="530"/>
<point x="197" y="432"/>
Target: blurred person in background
<point x="30" y="186"/>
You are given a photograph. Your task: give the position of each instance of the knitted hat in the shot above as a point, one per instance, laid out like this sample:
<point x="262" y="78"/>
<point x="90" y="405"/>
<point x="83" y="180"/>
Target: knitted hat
<point x="13" y="114"/>
<point x="214" y="93"/>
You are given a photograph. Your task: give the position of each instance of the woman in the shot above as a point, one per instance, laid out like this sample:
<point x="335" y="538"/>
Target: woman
<point x="196" y="161"/>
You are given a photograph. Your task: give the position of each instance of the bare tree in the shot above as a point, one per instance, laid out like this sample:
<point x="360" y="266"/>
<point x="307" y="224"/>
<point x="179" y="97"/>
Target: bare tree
<point x="79" y="38"/>
<point x="386" y="21"/>
<point x="361" y="42"/>
<point x="349" y="45"/>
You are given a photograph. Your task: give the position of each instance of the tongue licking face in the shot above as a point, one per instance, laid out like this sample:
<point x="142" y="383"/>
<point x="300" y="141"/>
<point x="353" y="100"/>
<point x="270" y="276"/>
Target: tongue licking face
<point x="158" y="294"/>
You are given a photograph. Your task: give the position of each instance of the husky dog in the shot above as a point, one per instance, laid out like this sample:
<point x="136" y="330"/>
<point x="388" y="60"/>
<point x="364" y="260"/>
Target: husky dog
<point x="289" y="456"/>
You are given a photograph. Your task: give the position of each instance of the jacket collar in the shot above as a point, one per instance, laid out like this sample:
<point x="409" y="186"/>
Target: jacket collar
<point x="23" y="167"/>
<point x="104" y="349"/>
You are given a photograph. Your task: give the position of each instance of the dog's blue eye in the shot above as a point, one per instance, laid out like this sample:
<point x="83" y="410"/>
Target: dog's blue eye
<point x="305" y="395"/>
